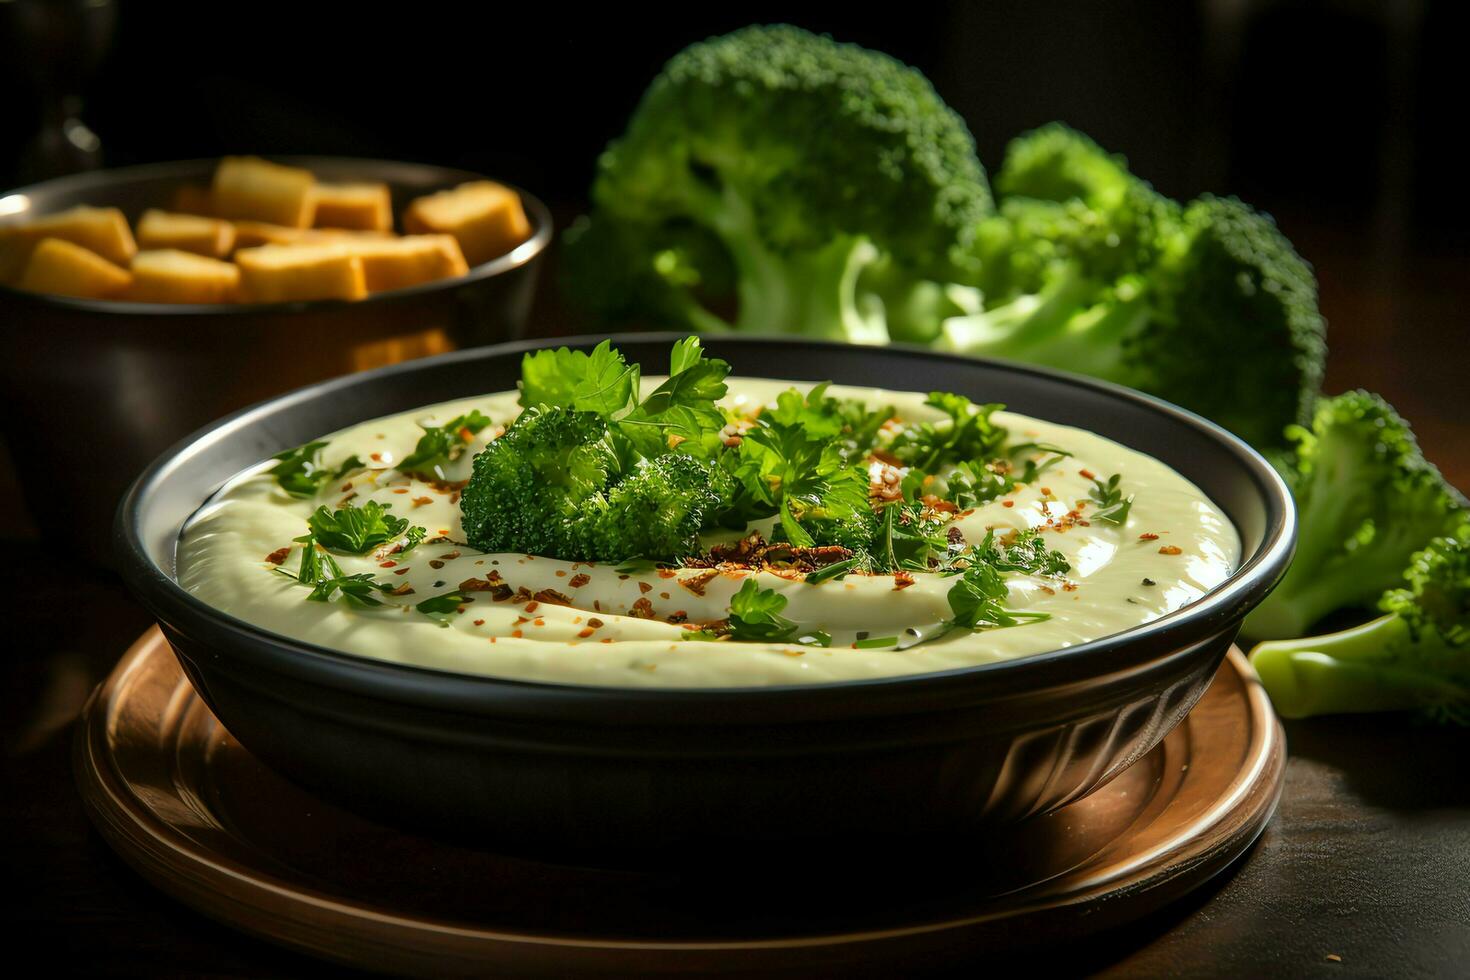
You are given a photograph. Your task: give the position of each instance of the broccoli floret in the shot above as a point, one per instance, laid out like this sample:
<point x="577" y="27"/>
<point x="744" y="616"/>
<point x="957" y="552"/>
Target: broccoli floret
<point x="809" y="161"/>
<point x="1088" y="269"/>
<point x="659" y="510"/>
<point x="1417" y="657"/>
<point x="1366" y="501"/>
<point x="539" y="487"/>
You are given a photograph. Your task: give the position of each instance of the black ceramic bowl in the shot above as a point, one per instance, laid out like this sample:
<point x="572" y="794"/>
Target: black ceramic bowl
<point x="597" y="769"/>
<point x="101" y="387"/>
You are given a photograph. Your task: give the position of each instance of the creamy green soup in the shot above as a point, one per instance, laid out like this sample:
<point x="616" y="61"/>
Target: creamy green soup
<point x="535" y="618"/>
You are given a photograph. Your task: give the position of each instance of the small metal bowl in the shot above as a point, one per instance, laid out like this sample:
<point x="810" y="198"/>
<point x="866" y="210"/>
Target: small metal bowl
<point x="92" y="390"/>
<point x="899" y="762"/>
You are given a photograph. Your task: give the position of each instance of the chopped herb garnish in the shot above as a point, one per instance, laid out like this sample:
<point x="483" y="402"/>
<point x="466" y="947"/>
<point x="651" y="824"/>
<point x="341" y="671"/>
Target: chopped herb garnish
<point x="836" y="570"/>
<point x="358" y="530"/>
<point x="876" y="642"/>
<point x="441" y="607"/>
<point x="441" y="445"/>
<point x="1026" y="553"/>
<point x="301" y="474"/>
<point x="755" y="616"/>
<point x="978" y="601"/>
<point x="1113" y="507"/>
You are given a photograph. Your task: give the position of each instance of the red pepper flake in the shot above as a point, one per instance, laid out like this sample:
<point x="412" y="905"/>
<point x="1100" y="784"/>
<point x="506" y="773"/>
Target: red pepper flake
<point x="902" y="580"/>
<point x="494" y="584"/>
<point x="1069" y="586"/>
<point x="400" y="489"/>
<point x="621" y="577"/>
<point x="402" y="571"/>
<point x="667" y="573"/>
<point x="594" y="622"/>
<point x="1149" y="536"/>
<point x="1046" y="491"/>
<point x="479" y="622"/>
<point x="606" y="639"/>
<point x="1008" y="503"/>
<point x="697" y="583"/>
<point x="279" y="555"/>
<point x="421" y="501"/>
<point x="531" y="606"/>
<point x="1087" y="474"/>
<point x="578" y="580"/>
<point x="553" y="598"/>
<point x="663" y="595"/>
<point x="584" y="633"/>
<point x="642" y="609"/>
<point x="390" y="563"/>
<point x="561" y="573"/>
<point x="538" y="621"/>
<point x="1048" y="590"/>
<point x="346" y="486"/>
<point x="450" y="555"/>
<point x="1171" y="549"/>
<point x="645" y="588"/>
<point x="376" y="457"/>
<point x="404" y="589"/>
<point x="435" y="563"/>
<point x="516" y="633"/>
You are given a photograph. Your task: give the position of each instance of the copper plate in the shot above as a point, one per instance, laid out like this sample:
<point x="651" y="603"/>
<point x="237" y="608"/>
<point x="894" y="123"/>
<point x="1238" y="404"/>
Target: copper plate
<point x="196" y="815"/>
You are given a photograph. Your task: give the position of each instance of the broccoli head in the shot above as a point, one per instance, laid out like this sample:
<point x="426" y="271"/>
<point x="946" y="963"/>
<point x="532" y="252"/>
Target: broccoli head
<point x="1366" y="501"/>
<point x="1417" y="657"/>
<point x="1088" y="269"/>
<point x="539" y="488"/>
<point x="807" y="160"/>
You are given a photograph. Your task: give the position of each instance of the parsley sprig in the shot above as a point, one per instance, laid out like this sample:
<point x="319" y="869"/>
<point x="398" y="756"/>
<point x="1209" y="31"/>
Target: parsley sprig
<point x="358" y="530"/>
<point x="441" y="445"/>
<point x="300" y="471"/>
<point x="319" y="572"/>
<point x="1113" y="507"/>
<point x="755" y="617"/>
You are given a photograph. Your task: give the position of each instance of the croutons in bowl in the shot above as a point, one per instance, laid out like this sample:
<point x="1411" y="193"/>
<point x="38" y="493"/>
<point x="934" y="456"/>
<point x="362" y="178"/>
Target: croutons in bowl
<point x="140" y="303"/>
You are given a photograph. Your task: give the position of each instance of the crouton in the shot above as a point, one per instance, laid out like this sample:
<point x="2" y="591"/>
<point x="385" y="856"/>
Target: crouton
<point x="174" y="276"/>
<point x="486" y="217"/>
<point x="209" y="237"/>
<point x="285" y="273"/>
<point x="64" y="268"/>
<point x="249" y="187"/>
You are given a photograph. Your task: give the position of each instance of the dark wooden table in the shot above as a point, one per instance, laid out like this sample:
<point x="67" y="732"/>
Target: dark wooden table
<point x="1364" y="872"/>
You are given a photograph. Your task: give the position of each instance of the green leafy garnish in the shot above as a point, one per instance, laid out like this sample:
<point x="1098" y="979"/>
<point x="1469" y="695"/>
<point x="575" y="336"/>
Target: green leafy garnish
<point x="440" y="607"/>
<point x="301" y="474"/>
<point x="441" y="445"/>
<point x="967" y="435"/>
<point x="1113" y="507"/>
<point x="978" y="601"/>
<point x="836" y="570"/>
<point x="599" y="381"/>
<point x="1027" y="553"/>
<point x="755" y="616"/>
<point x="358" y="530"/>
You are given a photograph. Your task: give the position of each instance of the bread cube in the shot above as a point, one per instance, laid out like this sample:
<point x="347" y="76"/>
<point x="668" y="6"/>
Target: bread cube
<point x="366" y="207"/>
<point x="486" y="217"/>
<point x="186" y="232"/>
<point x="393" y="263"/>
<point x="64" y="268"/>
<point x="249" y="187"/>
<point x="249" y="234"/>
<point x="193" y="199"/>
<point x="286" y="273"/>
<point x="170" y="275"/>
<point x="103" y="231"/>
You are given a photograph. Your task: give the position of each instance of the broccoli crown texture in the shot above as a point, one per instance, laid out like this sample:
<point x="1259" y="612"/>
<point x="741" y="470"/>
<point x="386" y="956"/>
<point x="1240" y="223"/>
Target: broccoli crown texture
<point x="805" y="159"/>
<point x="1088" y="269"/>
<point x="1367" y="500"/>
<point x="1417" y="657"/>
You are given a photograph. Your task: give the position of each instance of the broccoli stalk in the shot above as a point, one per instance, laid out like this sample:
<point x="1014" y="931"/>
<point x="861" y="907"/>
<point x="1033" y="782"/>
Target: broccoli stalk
<point x="1417" y="657"/>
<point x="1366" y="501"/>
<point x="806" y="163"/>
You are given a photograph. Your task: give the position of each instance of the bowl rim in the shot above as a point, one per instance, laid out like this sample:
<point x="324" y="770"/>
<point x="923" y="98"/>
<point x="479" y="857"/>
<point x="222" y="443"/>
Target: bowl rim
<point x="1125" y="651"/>
<point x="541" y="237"/>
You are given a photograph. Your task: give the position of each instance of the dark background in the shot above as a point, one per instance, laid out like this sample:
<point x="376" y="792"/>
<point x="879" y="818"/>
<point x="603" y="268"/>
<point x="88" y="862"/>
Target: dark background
<point x="1341" y="117"/>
